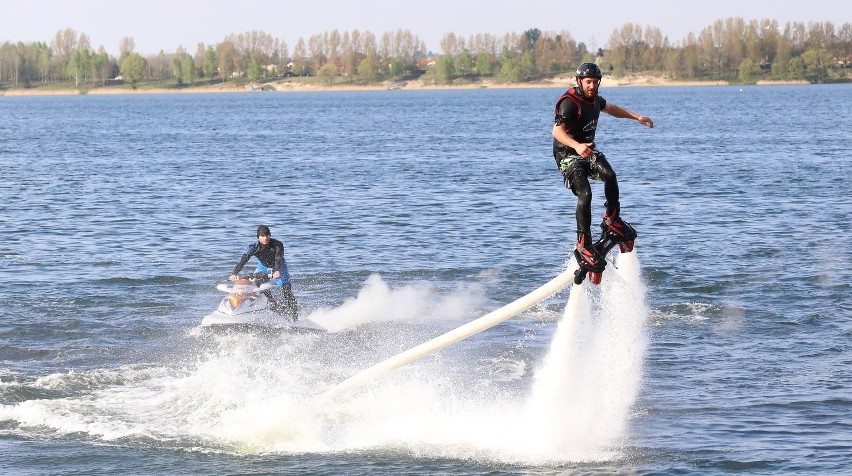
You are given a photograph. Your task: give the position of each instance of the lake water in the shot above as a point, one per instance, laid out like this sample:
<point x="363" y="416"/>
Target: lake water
<point x="721" y="345"/>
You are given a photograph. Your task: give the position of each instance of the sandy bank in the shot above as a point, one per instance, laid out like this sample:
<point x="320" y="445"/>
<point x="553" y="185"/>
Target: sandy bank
<point x="296" y="86"/>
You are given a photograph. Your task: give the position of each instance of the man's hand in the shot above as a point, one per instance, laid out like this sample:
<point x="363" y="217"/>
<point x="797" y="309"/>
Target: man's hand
<point x="584" y="149"/>
<point x="645" y="120"/>
<point x="276" y="275"/>
<point x="233" y="278"/>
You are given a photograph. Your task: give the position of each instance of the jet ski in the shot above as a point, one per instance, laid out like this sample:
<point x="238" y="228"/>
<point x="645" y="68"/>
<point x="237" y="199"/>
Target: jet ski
<point x="247" y="305"/>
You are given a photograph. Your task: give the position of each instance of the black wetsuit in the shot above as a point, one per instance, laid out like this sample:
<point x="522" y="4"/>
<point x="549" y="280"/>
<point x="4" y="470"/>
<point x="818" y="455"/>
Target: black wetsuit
<point x="578" y="116"/>
<point x="271" y="257"/>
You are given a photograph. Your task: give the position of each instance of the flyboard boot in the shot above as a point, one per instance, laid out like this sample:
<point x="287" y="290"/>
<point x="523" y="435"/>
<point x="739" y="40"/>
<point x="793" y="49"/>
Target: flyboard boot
<point x="614" y="231"/>
<point x="617" y="230"/>
<point x="590" y="260"/>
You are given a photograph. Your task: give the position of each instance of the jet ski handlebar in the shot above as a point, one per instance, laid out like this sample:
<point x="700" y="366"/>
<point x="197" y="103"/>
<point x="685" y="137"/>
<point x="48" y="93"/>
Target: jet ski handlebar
<point x="257" y="277"/>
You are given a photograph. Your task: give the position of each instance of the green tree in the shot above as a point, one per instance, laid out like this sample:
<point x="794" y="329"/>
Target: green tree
<point x="254" y="70"/>
<point x="397" y="68"/>
<point x="674" y="63"/>
<point x="748" y="71"/>
<point x="817" y="63"/>
<point x="796" y="68"/>
<point x="102" y="65"/>
<point x="509" y="71"/>
<point x="12" y="63"/>
<point x="78" y="66"/>
<point x="328" y="74"/>
<point x="691" y="59"/>
<point x="443" y="71"/>
<point x="531" y="36"/>
<point x="780" y="64"/>
<point x="483" y="64"/>
<point x="367" y="71"/>
<point x="527" y="65"/>
<point x="133" y="69"/>
<point x="188" y="70"/>
<point x="209" y="63"/>
<point x="44" y="58"/>
<point x="464" y="63"/>
<point x="177" y="70"/>
<point x="583" y="52"/>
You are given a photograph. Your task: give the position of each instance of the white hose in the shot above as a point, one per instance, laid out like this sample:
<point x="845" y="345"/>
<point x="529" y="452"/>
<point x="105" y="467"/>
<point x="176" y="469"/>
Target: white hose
<point x="495" y="317"/>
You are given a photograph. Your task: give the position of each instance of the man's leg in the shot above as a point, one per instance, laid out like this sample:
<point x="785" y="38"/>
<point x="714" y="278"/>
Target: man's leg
<point x="612" y="216"/>
<point x="578" y="181"/>
<point x="272" y="300"/>
<point x="601" y="170"/>
<point x="581" y="187"/>
<point x="289" y="305"/>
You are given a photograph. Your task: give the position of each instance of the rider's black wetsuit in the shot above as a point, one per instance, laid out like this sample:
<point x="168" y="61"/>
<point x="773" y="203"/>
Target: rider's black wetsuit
<point x="271" y="257"/>
<point x="578" y="116"/>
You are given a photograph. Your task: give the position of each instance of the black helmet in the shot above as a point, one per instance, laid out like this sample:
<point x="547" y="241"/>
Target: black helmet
<point x="263" y="230"/>
<point x="589" y="70"/>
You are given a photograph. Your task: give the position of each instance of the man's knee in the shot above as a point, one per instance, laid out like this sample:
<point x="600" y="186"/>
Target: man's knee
<point x="606" y="174"/>
<point x="602" y="169"/>
<point x="584" y="194"/>
<point x="582" y="189"/>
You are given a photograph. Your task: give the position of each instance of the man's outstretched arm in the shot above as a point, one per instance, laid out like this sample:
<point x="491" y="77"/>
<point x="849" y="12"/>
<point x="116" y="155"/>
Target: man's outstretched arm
<point x="620" y="112"/>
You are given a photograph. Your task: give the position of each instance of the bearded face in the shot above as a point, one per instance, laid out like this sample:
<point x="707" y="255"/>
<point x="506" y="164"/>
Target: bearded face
<point x="589" y="86"/>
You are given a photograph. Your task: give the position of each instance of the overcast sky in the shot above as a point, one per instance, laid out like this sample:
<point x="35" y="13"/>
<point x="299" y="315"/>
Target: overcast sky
<point x="167" y="24"/>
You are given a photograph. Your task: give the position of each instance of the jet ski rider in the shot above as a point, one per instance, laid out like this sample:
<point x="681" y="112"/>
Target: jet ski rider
<point x="578" y="159"/>
<point x="270" y="256"/>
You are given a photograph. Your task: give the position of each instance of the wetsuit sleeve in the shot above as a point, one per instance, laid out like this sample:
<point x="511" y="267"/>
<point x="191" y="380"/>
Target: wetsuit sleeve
<point x="566" y="112"/>
<point x="602" y="102"/>
<point x="279" y="257"/>
<point x="247" y="254"/>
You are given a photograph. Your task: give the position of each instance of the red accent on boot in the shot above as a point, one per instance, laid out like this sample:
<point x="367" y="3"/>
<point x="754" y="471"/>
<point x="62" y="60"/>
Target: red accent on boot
<point x="614" y="223"/>
<point x="587" y="253"/>
<point x="609" y="220"/>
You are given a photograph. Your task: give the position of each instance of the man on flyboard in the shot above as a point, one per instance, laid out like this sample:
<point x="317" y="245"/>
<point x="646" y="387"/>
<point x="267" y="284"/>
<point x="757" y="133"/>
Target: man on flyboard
<point x="576" y="154"/>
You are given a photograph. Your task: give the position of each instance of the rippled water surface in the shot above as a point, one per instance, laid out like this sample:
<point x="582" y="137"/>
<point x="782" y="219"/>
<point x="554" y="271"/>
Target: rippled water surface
<point x="406" y="214"/>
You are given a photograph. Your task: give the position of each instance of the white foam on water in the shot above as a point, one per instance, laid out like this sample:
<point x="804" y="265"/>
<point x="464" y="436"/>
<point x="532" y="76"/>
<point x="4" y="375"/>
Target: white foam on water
<point x="377" y="302"/>
<point x="583" y="390"/>
<point x="242" y="396"/>
<point x="577" y="408"/>
<point x="255" y="393"/>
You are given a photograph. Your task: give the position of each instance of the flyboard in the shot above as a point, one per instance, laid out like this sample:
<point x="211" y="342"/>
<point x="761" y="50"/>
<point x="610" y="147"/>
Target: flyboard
<point x="623" y="236"/>
<point x="491" y="319"/>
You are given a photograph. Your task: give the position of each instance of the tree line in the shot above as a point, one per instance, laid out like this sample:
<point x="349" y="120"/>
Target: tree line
<point x="736" y="50"/>
<point x="731" y="49"/>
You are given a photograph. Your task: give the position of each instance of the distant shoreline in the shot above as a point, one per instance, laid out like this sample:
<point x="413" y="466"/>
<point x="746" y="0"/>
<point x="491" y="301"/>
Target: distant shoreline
<point x="292" y="86"/>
